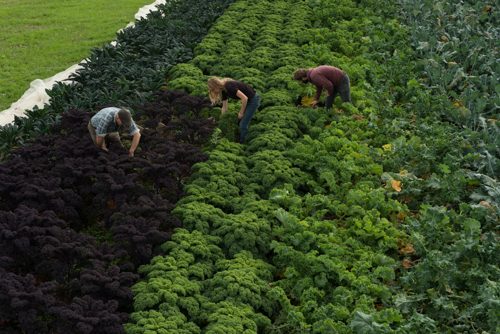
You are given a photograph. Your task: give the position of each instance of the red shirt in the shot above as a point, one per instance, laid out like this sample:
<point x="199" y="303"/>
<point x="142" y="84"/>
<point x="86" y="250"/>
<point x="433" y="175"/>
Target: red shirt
<point x="325" y="77"/>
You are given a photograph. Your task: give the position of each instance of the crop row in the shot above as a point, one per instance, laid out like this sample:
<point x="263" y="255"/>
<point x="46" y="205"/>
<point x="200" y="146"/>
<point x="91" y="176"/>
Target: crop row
<point x="443" y="140"/>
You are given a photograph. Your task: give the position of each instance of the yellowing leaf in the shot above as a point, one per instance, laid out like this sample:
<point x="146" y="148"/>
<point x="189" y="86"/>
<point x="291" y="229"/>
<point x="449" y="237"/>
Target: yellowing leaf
<point x="401" y="216"/>
<point x="387" y="147"/>
<point x="396" y="185"/>
<point x="407" y="249"/>
<point x="307" y="101"/>
<point x="304" y="223"/>
<point x="407" y="264"/>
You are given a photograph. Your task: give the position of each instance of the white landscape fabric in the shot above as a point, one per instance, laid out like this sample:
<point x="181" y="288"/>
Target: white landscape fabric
<point x="36" y="95"/>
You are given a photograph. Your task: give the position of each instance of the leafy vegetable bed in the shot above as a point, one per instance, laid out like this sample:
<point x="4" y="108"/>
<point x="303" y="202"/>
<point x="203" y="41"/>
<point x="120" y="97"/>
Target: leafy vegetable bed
<point x="380" y="217"/>
<point x="446" y="150"/>
<point x="334" y="222"/>
<point x="76" y="222"/>
<point x="293" y="233"/>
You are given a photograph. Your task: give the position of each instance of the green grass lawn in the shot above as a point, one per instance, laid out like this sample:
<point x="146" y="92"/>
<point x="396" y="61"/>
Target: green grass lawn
<point x="39" y="38"/>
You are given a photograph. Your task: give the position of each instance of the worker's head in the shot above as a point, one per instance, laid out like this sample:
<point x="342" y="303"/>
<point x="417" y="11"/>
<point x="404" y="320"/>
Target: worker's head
<point x="300" y="75"/>
<point x="215" y="88"/>
<point x="124" y="118"/>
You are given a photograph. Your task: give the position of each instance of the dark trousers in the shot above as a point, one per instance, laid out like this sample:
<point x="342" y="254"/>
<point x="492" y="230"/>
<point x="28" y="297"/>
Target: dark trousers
<point x="252" y="106"/>
<point x="344" y="90"/>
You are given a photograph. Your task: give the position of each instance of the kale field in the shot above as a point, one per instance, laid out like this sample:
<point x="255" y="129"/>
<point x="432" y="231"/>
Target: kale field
<point x="378" y="216"/>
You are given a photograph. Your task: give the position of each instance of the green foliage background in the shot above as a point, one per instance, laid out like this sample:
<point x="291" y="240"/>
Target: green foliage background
<point x="378" y="217"/>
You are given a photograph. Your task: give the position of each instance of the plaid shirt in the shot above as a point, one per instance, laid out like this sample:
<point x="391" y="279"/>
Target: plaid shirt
<point x="104" y="122"/>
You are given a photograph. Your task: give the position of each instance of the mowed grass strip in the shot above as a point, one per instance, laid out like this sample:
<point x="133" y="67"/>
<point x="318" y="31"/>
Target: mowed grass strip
<point x="39" y="38"/>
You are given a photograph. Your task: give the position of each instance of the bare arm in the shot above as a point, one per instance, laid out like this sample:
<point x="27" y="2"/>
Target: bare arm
<point x="100" y="142"/>
<point x="135" y="142"/>
<point x="224" y="107"/>
<point x="244" y="101"/>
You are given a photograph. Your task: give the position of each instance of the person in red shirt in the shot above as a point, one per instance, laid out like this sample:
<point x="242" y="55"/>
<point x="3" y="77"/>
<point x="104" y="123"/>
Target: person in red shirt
<point x="329" y="78"/>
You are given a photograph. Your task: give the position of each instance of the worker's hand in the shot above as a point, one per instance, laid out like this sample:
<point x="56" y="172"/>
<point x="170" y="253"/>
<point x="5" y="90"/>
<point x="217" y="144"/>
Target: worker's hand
<point x="240" y="115"/>
<point x="130" y="153"/>
<point x="104" y="148"/>
<point x="314" y="103"/>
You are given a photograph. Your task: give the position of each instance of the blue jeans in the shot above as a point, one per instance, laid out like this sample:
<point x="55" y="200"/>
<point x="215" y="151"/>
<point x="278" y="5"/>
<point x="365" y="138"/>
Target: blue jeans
<point x="252" y="106"/>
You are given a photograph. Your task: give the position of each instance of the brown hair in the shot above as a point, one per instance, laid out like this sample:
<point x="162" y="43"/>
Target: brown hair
<point x="125" y="117"/>
<point x="300" y="74"/>
<point x="215" y="88"/>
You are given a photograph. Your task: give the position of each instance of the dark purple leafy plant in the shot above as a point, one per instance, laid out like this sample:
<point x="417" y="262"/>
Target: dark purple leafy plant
<point x="75" y="221"/>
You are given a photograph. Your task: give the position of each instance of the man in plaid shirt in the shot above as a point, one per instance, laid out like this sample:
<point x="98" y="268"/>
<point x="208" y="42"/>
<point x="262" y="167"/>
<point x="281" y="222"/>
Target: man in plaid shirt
<point x="107" y="122"/>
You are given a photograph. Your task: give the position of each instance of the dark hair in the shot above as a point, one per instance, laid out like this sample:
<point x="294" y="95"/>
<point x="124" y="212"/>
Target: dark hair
<point x="300" y="74"/>
<point x="125" y="117"/>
